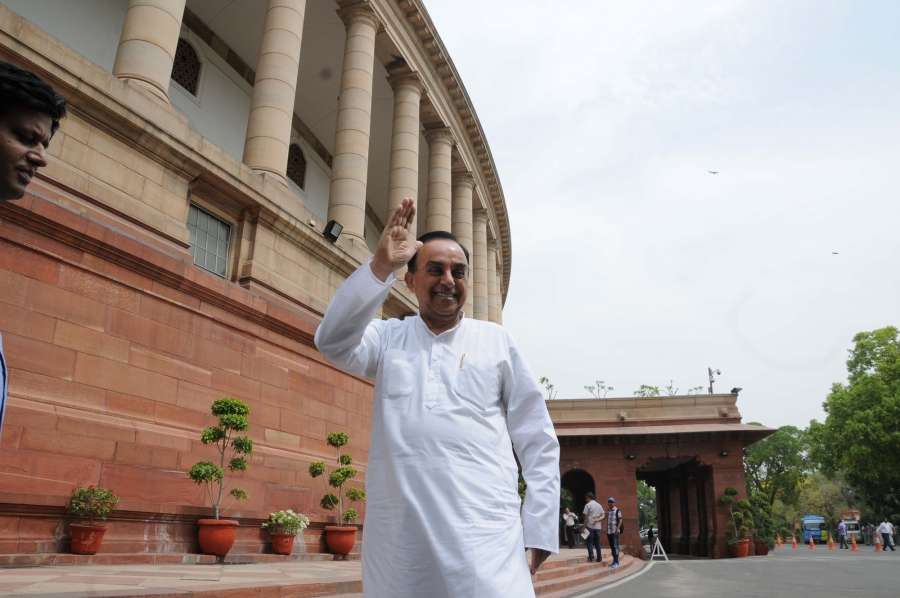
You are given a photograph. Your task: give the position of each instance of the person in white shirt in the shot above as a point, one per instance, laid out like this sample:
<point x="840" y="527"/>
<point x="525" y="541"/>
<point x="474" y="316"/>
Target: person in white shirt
<point x="886" y="529"/>
<point x="593" y="521"/>
<point x="570" y="518"/>
<point x="454" y="405"/>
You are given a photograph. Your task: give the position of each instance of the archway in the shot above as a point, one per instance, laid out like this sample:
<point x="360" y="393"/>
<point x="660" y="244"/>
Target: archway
<point x="578" y="482"/>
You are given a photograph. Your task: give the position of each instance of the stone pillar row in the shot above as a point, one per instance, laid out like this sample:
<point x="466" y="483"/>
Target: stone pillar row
<point x="145" y="55"/>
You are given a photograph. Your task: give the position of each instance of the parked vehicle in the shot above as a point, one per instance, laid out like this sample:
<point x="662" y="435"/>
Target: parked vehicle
<point x="813" y="526"/>
<point x="850" y="517"/>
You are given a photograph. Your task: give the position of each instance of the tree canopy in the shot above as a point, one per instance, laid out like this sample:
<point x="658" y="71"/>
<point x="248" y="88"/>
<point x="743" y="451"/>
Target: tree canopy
<point x="775" y="466"/>
<point x="860" y="438"/>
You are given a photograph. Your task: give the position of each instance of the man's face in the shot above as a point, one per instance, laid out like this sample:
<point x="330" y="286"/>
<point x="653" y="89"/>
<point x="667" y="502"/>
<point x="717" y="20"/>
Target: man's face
<point x="440" y="280"/>
<point x="24" y="137"/>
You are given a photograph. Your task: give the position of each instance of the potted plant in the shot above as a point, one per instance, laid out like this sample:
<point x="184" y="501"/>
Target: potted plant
<point x="339" y="538"/>
<point x="737" y="533"/>
<point x="217" y="535"/>
<point x="764" y="524"/>
<point x="89" y="504"/>
<point x="283" y="526"/>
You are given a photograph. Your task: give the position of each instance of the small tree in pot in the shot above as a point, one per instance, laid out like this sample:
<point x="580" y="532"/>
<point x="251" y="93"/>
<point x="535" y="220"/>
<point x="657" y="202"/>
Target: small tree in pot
<point x="89" y="505"/>
<point x="740" y="522"/>
<point x="283" y="526"/>
<point x="340" y="539"/>
<point x="217" y="535"/>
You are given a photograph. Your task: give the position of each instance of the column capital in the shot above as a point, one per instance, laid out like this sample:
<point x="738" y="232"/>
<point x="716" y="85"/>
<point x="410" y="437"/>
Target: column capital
<point x="356" y="11"/>
<point x="463" y="178"/>
<point x="439" y="135"/>
<point x="401" y="75"/>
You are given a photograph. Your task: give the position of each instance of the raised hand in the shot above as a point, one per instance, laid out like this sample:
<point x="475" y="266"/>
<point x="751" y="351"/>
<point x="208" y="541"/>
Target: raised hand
<point x="396" y="246"/>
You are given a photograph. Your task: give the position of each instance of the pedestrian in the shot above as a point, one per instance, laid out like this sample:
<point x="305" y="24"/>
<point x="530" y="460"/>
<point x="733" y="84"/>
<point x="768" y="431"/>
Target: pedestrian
<point x="455" y="406"/>
<point x="29" y="116"/>
<point x="570" y="519"/>
<point x="886" y="529"/>
<point x="614" y="527"/>
<point x="842" y="534"/>
<point x="650" y="537"/>
<point x="593" y="521"/>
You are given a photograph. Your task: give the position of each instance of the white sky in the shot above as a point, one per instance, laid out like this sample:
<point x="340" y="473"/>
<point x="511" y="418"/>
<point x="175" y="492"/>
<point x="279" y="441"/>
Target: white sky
<point x="631" y="263"/>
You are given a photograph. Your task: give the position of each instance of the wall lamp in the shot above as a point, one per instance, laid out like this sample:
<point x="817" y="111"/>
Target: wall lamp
<point x="723" y="453"/>
<point x="630" y="457"/>
<point x="332" y="230"/>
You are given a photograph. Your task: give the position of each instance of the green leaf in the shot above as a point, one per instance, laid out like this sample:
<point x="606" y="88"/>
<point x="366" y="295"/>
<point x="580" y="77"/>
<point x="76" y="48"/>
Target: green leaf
<point x="237" y="464"/>
<point x="206" y="472"/>
<point x="238" y="493"/>
<point x="316" y="469"/>
<point x="329" y="501"/>
<point x="345" y="460"/>
<point x="338" y="439"/>
<point x="211" y="435"/>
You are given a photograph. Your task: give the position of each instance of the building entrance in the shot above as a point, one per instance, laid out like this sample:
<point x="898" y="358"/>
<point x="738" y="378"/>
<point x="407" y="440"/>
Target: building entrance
<point x="684" y="504"/>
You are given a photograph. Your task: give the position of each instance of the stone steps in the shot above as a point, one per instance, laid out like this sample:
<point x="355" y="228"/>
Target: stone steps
<point x="571" y="579"/>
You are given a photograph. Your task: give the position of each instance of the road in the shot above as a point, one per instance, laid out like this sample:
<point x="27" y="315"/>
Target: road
<point x="817" y="574"/>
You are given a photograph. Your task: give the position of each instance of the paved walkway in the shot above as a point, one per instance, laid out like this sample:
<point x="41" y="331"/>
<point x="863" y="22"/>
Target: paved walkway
<point x="296" y="579"/>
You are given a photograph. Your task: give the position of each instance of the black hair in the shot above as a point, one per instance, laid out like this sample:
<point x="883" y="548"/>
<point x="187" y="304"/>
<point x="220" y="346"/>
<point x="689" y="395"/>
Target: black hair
<point x="23" y="89"/>
<point x="430" y="236"/>
<point x="589" y="495"/>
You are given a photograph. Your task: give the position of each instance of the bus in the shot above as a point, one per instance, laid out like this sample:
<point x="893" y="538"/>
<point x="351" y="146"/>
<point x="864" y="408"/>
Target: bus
<point x="813" y="526"/>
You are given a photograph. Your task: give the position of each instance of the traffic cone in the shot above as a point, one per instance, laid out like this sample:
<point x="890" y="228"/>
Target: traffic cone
<point x="878" y="547"/>
<point x="793" y="542"/>
<point x="830" y="542"/>
<point x="812" y="543"/>
<point x="853" y="543"/>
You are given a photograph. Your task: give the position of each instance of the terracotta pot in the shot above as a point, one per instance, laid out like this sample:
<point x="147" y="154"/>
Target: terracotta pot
<point x="340" y="539"/>
<point x="282" y="543"/>
<point x="216" y="536"/>
<point x="86" y="538"/>
<point x="760" y="547"/>
<point x="739" y="549"/>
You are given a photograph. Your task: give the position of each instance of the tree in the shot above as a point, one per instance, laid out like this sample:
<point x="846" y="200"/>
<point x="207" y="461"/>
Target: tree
<point x="775" y="466"/>
<point x="859" y="437"/>
<point x="646" y="496"/>
<point x="598" y="389"/>
<point x="671" y="389"/>
<point x="822" y="496"/>
<point x="647" y="391"/>
<point x="548" y="386"/>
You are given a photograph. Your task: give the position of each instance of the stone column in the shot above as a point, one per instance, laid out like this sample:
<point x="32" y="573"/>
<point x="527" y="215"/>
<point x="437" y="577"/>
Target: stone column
<point x="498" y="283"/>
<point x="463" y="185"/>
<point x="404" y="176"/>
<point x="272" y="106"/>
<point x="350" y="167"/>
<point x="479" y="279"/>
<point x="493" y="298"/>
<point x="439" y="207"/>
<point x="147" y="44"/>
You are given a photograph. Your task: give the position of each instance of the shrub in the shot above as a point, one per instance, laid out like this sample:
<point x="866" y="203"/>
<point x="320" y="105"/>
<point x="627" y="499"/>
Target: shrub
<point x="286" y="522"/>
<point x="92" y="503"/>
<point x="232" y="415"/>
<point x="340" y="475"/>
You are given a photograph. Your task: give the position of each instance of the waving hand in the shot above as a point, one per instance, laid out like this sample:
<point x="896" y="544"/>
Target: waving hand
<point x="396" y="246"/>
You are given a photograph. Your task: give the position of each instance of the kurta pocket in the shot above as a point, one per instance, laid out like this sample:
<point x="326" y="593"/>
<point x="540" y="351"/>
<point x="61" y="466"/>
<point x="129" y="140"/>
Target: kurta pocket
<point x="478" y="384"/>
<point x="397" y="375"/>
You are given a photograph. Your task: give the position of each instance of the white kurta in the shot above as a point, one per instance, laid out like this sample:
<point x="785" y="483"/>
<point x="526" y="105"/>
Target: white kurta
<point x="443" y="513"/>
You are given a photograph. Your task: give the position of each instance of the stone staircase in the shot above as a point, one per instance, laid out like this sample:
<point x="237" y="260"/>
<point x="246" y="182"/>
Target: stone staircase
<point x="565" y="577"/>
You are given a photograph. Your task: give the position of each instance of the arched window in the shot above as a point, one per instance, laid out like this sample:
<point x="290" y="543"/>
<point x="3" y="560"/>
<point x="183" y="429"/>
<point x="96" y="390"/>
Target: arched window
<point x="296" y="165"/>
<point x="186" y="67"/>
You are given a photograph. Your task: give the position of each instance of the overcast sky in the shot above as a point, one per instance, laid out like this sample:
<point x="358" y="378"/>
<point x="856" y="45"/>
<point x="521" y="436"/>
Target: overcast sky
<point x="631" y="263"/>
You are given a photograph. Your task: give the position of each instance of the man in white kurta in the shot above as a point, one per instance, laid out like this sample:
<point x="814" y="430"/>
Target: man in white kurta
<point x="453" y="401"/>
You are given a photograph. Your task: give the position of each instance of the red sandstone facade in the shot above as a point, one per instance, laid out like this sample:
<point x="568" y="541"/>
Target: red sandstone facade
<point x="116" y="346"/>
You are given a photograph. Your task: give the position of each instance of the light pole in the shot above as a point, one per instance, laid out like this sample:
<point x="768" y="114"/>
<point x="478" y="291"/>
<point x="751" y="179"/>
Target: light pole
<point x="712" y="374"/>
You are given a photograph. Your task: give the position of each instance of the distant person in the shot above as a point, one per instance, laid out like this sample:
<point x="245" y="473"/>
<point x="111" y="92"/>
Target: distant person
<point x="650" y="537"/>
<point x="593" y="521"/>
<point x="614" y="526"/>
<point x="29" y="116"/>
<point x="842" y="534"/>
<point x="570" y="518"/>
<point x="886" y="529"/>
